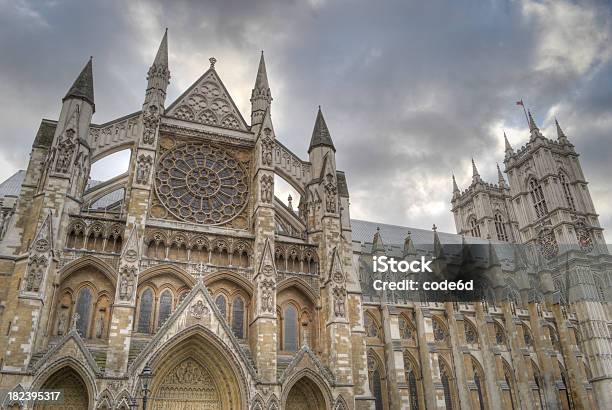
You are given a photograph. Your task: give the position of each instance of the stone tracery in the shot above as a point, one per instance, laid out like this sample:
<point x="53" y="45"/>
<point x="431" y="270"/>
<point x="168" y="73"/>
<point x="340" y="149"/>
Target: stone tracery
<point x="201" y="183"/>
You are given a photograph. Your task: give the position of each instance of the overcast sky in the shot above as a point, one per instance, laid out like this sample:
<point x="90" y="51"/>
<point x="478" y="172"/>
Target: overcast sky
<point x="410" y="90"/>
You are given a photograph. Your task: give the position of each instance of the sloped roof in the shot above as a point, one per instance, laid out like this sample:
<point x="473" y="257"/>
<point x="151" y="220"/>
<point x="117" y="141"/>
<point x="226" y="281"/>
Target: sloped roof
<point x="12" y="186"/>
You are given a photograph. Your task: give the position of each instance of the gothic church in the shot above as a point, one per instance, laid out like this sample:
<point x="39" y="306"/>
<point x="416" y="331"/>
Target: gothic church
<point x="185" y="283"/>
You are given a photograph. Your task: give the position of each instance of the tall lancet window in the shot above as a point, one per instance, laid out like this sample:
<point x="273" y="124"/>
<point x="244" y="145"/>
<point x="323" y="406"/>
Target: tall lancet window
<point x="238" y="317"/>
<point x="83" y="309"/>
<point x="447" y="385"/>
<point x="537" y="197"/>
<point x="290" y="329"/>
<point x="146" y="308"/>
<point x="500" y="227"/>
<point x="569" y="198"/>
<point x="165" y="307"/>
<point x="474" y="228"/>
<point x="222" y="305"/>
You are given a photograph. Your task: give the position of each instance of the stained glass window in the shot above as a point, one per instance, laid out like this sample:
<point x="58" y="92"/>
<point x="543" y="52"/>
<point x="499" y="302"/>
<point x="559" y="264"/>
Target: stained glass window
<point x="290" y="331"/>
<point x="83" y="309"/>
<point x="201" y="183"/>
<point x="500" y="227"/>
<point x="222" y="305"/>
<point x="146" y="307"/>
<point x="165" y="307"/>
<point x="238" y="318"/>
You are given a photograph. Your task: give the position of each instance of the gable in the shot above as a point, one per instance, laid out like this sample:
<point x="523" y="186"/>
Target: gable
<point x="208" y="102"/>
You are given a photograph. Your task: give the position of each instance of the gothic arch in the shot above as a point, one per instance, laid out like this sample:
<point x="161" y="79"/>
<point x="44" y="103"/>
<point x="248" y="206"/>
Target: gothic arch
<point x="300" y="285"/>
<point x="87" y="261"/>
<point x="239" y="280"/>
<point x="68" y="364"/>
<point x="199" y="345"/>
<point x="313" y="382"/>
<point x="341" y="404"/>
<point x="164" y="269"/>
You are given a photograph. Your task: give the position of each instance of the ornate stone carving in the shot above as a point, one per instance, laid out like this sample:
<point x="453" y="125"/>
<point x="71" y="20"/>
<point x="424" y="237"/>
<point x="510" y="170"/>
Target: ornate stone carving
<point x="36" y="270"/>
<point x="143" y="169"/>
<point x="201" y="183"/>
<point x="65" y="151"/>
<point x="150" y="122"/>
<point x="267" y="295"/>
<point x="331" y="198"/>
<point x="198" y="310"/>
<point x="339" y="301"/>
<point x="266" y="150"/>
<point x="267" y="188"/>
<point x="585" y="240"/>
<point x="41" y="245"/>
<point x="547" y="242"/>
<point x="126" y="282"/>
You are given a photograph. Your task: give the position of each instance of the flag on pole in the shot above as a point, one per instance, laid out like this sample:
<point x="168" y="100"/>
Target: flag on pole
<point x="520" y="103"/>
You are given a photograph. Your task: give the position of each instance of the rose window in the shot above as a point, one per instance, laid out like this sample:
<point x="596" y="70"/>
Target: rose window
<point x="202" y="184"/>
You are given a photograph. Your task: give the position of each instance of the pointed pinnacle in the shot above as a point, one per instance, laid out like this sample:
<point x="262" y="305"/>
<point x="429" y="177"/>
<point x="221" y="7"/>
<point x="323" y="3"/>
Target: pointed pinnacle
<point x="82" y="88"/>
<point x="508" y="146"/>
<point x="560" y="134"/>
<point x="455" y="187"/>
<point x="377" y="242"/>
<point x="532" y="124"/>
<point x="161" y="58"/>
<point x="500" y="177"/>
<point x="320" y="133"/>
<point x="474" y="170"/>
<point x="261" y="81"/>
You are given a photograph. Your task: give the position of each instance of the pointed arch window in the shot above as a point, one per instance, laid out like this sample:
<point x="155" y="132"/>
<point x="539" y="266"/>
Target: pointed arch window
<point x="471" y="335"/>
<point x="474" y="227"/>
<point x="538" y="381"/>
<point x="567" y="191"/>
<point x="371" y="328"/>
<point x="509" y="378"/>
<point x="445" y="378"/>
<point x="527" y="336"/>
<point x="500" y="336"/>
<point x="375" y="381"/>
<point x="500" y="227"/>
<point x="290" y="329"/>
<point x="537" y="197"/>
<point x="238" y="317"/>
<point x="83" y="309"/>
<point x="410" y="373"/>
<point x="478" y="379"/>
<point x="165" y="307"/>
<point x="146" y="308"/>
<point x="221" y="303"/>
<point x="406" y="329"/>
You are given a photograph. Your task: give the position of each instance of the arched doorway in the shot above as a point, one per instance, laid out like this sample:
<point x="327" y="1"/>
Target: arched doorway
<point x="195" y="372"/>
<point x="75" y="390"/>
<point x="305" y="395"/>
<point x="191" y="384"/>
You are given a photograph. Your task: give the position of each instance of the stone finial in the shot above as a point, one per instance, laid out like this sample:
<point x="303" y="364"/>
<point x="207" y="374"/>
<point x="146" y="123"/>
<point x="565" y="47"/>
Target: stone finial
<point x="212" y="62"/>
<point x="455" y="187"/>
<point x="320" y="134"/>
<point x="500" y="177"/>
<point x="509" y="149"/>
<point x="75" y="319"/>
<point x="82" y="88"/>
<point x="561" y="137"/>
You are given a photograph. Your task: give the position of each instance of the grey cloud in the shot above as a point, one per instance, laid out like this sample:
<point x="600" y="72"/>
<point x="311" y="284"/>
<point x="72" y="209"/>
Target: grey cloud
<point x="410" y="90"/>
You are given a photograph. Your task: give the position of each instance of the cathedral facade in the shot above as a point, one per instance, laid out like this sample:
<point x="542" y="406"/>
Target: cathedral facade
<point x="185" y="283"/>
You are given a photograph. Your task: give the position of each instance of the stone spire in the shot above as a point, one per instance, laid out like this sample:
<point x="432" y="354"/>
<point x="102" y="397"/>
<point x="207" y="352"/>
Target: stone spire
<point x="509" y="150"/>
<point x="500" y="178"/>
<point x="455" y="187"/>
<point x="533" y="128"/>
<point x="377" y="242"/>
<point x="438" y="249"/>
<point x="409" y="249"/>
<point x="261" y="97"/>
<point x="320" y="134"/>
<point x="158" y="75"/>
<point x="82" y="88"/>
<point x="560" y="134"/>
<point x="475" y="174"/>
